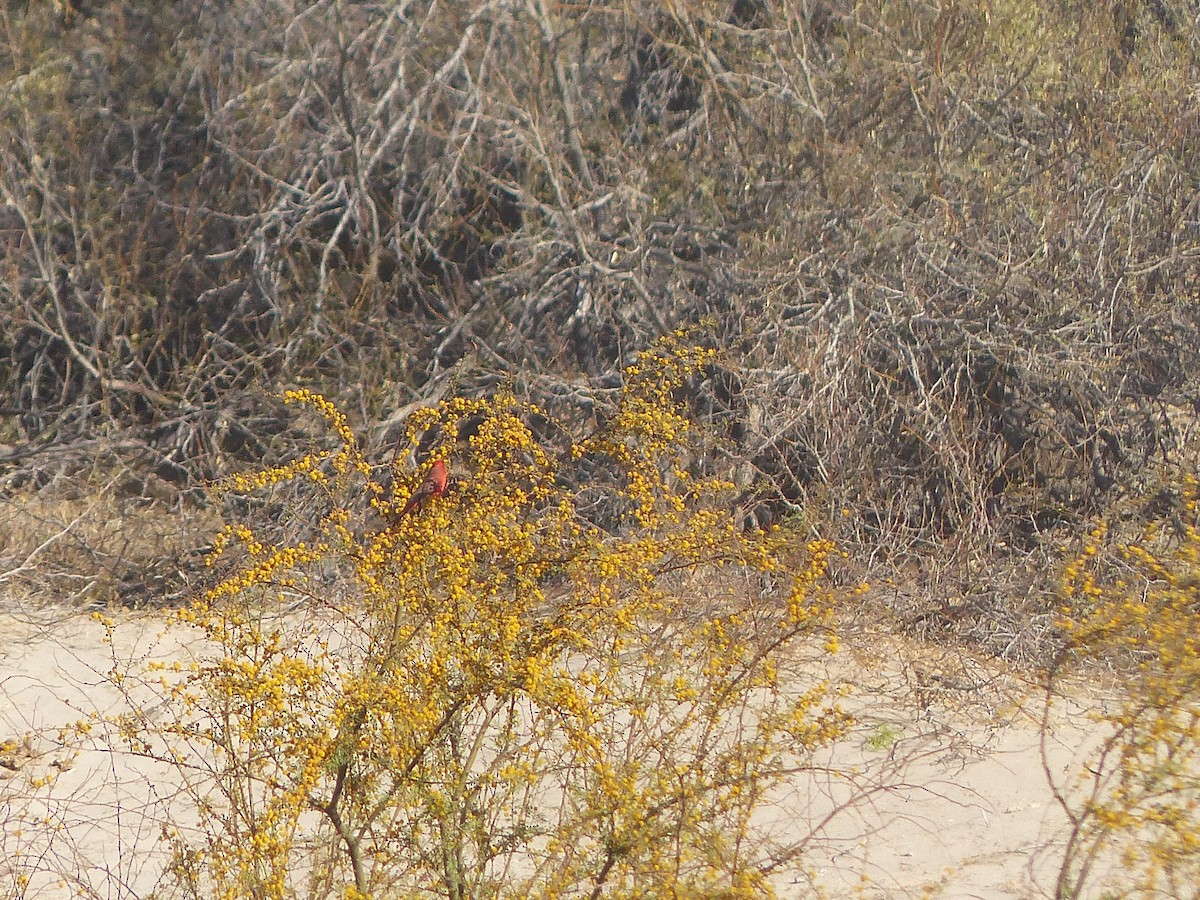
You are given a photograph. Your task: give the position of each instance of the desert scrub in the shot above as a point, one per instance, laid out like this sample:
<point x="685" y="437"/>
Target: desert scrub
<point x="496" y="696"/>
<point x="1136" y="608"/>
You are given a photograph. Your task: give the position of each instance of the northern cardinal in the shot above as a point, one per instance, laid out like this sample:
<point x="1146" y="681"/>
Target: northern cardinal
<point x="434" y="485"/>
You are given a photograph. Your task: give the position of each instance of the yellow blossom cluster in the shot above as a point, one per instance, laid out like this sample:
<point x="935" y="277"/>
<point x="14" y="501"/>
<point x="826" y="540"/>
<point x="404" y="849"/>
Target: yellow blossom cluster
<point x="496" y="694"/>
<point x="1137" y="607"/>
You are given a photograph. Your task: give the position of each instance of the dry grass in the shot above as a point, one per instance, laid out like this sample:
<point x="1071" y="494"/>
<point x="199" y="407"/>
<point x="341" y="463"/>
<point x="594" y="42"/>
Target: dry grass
<point x="91" y="541"/>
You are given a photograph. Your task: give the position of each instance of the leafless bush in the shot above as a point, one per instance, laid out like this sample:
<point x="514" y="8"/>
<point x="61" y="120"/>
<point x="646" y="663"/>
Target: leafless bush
<point x="950" y="250"/>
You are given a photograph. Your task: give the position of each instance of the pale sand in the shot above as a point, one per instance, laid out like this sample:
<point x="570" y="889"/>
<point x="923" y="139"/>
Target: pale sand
<point x="938" y="791"/>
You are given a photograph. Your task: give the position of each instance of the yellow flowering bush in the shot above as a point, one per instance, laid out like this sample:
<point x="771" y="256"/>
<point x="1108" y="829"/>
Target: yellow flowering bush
<point x="1139" y="609"/>
<point x="495" y="695"/>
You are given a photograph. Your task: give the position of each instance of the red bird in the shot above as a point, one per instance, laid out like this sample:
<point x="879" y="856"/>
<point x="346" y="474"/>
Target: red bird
<point x="434" y="485"/>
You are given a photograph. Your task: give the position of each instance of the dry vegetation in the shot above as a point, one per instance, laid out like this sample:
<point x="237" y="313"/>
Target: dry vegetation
<point x="942" y="258"/>
<point x="949" y="250"/>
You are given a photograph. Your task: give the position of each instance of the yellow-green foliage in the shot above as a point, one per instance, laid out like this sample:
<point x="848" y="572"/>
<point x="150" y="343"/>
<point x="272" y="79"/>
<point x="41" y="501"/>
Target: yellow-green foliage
<point x="1144" y="612"/>
<point x="495" y="697"/>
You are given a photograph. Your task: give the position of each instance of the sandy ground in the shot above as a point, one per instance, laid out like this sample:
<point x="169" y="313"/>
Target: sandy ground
<point x="939" y="791"/>
<point x="949" y="795"/>
<point x="95" y="825"/>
